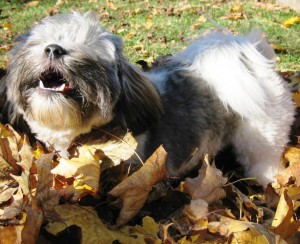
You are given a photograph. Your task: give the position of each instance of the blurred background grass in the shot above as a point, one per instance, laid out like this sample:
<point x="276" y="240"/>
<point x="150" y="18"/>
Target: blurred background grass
<point x="156" y="27"/>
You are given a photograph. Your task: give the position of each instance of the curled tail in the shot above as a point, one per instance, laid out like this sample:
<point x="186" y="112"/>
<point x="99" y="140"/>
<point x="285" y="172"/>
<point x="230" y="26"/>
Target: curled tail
<point x="240" y="71"/>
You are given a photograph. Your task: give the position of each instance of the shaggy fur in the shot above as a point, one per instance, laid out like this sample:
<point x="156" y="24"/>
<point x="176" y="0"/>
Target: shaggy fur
<point x="67" y="75"/>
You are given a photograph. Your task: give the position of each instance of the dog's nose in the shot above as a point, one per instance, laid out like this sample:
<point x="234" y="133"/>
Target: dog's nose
<point x="54" y="51"/>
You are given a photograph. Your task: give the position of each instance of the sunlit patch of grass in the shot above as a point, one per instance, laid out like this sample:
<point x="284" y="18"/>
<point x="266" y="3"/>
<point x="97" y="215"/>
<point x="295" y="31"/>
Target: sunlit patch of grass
<point x="152" y="28"/>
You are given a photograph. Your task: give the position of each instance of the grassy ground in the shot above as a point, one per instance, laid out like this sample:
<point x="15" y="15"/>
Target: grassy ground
<point x="155" y="27"/>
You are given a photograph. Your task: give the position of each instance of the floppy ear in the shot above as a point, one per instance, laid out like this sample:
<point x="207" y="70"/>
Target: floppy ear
<point x="139" y="105"/>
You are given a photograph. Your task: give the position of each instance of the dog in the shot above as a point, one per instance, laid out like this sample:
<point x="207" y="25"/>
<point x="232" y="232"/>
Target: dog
<point x="68" y="75"/>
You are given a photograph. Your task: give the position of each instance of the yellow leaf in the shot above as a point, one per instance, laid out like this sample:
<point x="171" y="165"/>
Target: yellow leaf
<point x="236" y="8"/>
<point x="91" y="226"/>
<point x="296" y="98"/>
<point x="202" y="19"/>
<point x="130" y="35"/>
<point x="242" y="232"/>
<point x="292" y="154"/>
<point x="32" y="4"/>
<point x="284" y="223"/>
<point x="11" y="234"/>
<point x="85" y="169"/>
<point x="7" y="26"/>
<point x="148" y="24"/>
<point x="291" y="21"/>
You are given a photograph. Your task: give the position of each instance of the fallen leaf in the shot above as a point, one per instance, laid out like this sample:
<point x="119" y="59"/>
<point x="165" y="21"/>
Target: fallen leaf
<point x="92" y="228"/>
<point x="148" y="230"/>
<point x="46" y="197"/>
<point x="207" y="185"/>
<point x="284" y="223"/>
<point x="85" y="171"/>
<point x="10" y="234"/>
<point x="134" y="190"/>
<point x="6" y="26"/>
<point x="32" y="4"/>
<point x="242" y="232"/>
<point x="292" y="154"/>
<point x="15" y="208"/>
<point x="290" y="175"/>
<point x="197" y="212"/>
<point x="236" y="8"/>
<point x="32" y="226"/>
<point x="291" y="21"/>
<point x="130" y="35"/>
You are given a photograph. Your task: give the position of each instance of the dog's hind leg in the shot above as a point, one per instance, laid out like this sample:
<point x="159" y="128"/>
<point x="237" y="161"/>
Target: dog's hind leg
<point x="258" y="150"/>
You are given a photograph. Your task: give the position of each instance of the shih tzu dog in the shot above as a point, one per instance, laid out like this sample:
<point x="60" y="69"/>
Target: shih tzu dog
<point x="67" y="75"/>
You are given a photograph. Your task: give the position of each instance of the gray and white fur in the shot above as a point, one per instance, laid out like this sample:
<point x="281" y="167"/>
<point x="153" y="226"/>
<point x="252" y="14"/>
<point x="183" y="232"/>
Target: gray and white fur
<point x="67" y="75"/>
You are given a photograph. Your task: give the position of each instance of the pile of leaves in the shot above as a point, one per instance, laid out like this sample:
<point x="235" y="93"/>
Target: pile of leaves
<point x="94" y="196"/>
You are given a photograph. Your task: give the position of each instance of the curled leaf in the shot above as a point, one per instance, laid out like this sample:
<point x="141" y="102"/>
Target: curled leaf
<point x="134" y="190"/>
<point x="207" y="185"/>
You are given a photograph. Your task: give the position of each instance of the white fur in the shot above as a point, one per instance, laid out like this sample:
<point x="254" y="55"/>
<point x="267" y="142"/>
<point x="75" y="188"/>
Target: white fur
<point x="249" y="85"/>
<point x="58" y="121"/>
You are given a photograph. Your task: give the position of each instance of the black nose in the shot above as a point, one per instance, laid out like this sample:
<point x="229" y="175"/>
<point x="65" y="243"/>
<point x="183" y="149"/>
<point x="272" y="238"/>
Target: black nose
<point x="54" y="51"/>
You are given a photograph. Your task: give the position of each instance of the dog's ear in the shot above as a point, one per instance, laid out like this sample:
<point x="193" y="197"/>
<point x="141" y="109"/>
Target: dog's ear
<point x="139" y="105"/>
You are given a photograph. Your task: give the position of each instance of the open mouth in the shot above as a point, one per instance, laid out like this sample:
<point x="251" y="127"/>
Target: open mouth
<point x="54" y="81"/>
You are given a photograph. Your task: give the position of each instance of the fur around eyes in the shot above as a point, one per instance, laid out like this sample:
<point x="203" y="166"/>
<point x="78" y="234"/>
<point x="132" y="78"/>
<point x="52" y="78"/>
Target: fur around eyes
<point x="67" y="75"/>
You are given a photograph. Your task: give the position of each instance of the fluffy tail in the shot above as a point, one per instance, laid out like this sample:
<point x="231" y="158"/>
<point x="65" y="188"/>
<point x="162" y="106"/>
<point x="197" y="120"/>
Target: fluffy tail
<point x="240" y="70"/>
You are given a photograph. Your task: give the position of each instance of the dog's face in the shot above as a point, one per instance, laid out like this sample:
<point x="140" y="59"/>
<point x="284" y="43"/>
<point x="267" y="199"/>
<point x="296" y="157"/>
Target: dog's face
<point x="68" y="71"/>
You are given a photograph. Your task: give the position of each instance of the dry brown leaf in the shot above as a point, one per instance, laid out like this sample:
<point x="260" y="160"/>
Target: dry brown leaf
<point x="10" y="234"/>
<point x="196" y="212"/>
<point x="85" y="170"/>
<point x="15" y="208"/>
<point x="207" y="185"/>
<point x="284" y="223"/>
<point x="290" y="175"/>
<point x="46" y="197"/>
<point x="32" y="226"/>
<point x="247" y="208"/>
<point x="92" y="228"/>
<point x="7" y="194"/>
<point x="9" y="151"/>
<point x="242" y="232"/>
<point x="134" y="190"/>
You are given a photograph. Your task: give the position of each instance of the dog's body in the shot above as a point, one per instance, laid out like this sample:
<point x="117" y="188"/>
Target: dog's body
<point x="67" y="75"/>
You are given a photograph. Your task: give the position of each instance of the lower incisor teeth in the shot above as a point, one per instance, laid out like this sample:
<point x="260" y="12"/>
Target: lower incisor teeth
<point x="61" y="88"/>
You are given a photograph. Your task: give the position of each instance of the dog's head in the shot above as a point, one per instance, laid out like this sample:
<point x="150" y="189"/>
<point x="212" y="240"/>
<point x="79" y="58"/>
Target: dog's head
<point x="68" y="71"/>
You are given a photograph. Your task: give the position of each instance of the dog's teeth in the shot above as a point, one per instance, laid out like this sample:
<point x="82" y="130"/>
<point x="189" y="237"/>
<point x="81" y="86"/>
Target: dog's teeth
<point x="41" y="85"/>
<point x="61" y="88"/>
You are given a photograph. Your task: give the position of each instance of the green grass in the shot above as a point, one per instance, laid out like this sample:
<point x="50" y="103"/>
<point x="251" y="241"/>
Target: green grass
<point x="151" y="28"/>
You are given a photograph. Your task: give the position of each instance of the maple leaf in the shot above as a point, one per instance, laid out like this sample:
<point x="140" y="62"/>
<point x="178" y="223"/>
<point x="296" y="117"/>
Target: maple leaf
<point x="196" y="212"/>
<point x="85" y="170"/>
<point x="10" y="234"/>
<point x="134" y="190"/>
<point x="16" y="159"/>
<point x="284" y="223"/>
<point x="92" y="228"/>
<point x="241" y="232"/>
<point x="207" y="185"/>
<point x="148" y="230"/>
<point x="290" y="175"/>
